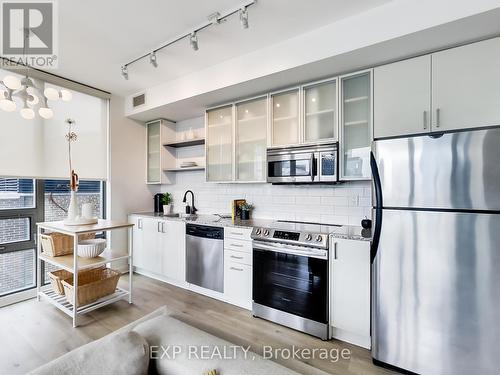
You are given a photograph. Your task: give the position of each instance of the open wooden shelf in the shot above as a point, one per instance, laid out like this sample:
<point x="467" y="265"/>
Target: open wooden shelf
<point x="66" y="261"/>
<point x="195" y="168"/>
<point x="186" y="143"/>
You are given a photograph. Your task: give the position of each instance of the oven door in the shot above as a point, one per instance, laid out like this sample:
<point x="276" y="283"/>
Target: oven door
<point x="291" y="283"/>
<point x="328" y="166"/>
<point x="292" y="167"/>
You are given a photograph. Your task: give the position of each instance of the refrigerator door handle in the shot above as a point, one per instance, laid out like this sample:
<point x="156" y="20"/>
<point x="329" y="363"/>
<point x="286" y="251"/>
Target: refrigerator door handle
<point x="378" y="206"/>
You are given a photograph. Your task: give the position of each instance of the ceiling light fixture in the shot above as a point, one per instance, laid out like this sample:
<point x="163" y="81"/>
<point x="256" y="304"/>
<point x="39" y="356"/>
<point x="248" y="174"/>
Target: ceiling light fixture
<point x="125" y="72"/>
<point x="25" y="91"/>
<point x="152" y="59"/>
<point x="213" y="19"/>
<point x="244" y="18"/>
<point x="193" y="40"/>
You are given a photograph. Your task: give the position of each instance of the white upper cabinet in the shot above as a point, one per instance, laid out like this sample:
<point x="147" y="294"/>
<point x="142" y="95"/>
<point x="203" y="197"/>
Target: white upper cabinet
<point x="320" y="112"/>
<point x="251" y="140"/>
<point x="466" y="86"/>
<point x="402" y="98"/>
<point x="219" y="144"/>
<point x="355" y="125"/>
<point x="157" y="132"/>
<point x="285" y="118"/>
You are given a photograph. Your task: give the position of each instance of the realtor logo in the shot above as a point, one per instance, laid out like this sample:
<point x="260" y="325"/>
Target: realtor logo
<point x="29" y="33"/>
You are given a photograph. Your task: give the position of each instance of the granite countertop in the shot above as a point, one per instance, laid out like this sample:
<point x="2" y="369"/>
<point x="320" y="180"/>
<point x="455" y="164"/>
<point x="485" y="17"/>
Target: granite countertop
<point x="212" y="220"/>
<point x="351" y="232"/>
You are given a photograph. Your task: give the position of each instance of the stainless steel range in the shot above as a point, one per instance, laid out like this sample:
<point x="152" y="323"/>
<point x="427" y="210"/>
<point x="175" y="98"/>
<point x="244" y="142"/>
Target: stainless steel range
<point x="290" y="275"/>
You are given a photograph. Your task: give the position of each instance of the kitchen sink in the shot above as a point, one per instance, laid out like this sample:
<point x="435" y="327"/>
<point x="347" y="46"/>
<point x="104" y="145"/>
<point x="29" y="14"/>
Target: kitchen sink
<point x="172" y="215"/>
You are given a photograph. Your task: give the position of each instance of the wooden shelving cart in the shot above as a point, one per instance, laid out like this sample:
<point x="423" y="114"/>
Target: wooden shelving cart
<point x="75" y="264"/>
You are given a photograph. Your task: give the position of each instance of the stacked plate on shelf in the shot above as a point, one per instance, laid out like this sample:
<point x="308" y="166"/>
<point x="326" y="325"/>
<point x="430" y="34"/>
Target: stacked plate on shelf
<point x="188" y="164"/>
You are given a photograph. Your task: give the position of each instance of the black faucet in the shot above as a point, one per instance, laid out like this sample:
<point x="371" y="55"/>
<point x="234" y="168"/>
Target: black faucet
<point x="190" y="209"/>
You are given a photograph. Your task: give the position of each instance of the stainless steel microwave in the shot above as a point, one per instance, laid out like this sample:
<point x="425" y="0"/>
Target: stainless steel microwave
<point x="303" y="164"/>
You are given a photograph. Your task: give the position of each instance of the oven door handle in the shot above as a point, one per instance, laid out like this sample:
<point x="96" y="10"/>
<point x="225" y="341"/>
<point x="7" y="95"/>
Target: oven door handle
<point x="292" y="250"/>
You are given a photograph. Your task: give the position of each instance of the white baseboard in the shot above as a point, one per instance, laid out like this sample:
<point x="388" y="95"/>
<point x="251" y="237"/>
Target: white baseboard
<point x="351" y="337"/>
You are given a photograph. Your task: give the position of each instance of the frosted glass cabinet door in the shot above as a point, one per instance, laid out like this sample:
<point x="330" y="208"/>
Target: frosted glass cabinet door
<point x="220" y="144"/>
<point x="154" y="148"/>
<point x="320" y="112"/>
<point x="356" y="126"/>
<point x="251" y="140"/>
<point x="285" y="118"/>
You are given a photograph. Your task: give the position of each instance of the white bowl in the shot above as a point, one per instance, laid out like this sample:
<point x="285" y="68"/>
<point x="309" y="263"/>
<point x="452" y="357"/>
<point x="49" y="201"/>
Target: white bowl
<point x="91" y="248"/>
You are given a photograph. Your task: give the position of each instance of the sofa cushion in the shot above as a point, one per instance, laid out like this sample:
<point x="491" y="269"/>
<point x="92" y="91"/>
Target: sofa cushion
<point x="194" y="347"/>
<point x="122" y="353"/>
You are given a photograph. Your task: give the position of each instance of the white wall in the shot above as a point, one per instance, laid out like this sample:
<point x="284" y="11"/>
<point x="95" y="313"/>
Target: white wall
<point x="127" y="189"/>
<point x="346" y="203"/>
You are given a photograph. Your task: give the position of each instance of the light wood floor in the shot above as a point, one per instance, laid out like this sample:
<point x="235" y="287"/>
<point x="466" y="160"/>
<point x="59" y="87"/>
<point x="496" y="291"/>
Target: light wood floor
<point x="33" y="333"/>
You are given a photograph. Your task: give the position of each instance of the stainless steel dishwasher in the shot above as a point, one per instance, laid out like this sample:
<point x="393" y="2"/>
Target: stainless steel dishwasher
<point x="205" y="256"/>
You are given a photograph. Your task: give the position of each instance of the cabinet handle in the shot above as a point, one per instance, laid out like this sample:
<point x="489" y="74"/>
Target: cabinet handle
<point x="139" y="223"/>
<point x="158" y="227"/>
<point x="438" y="113"/>
<point x="335" y="251"/>
<point x="236" y="269"/>
<point x="235" y="245"/>
<point x="163" y="227"/>
<point x="425" y="119"/>
<point x="237" y="233"/>
<point x="235" y="257"/>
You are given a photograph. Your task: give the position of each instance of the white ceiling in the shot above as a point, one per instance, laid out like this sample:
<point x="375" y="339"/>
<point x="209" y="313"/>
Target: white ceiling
<point x="97" y="37"/>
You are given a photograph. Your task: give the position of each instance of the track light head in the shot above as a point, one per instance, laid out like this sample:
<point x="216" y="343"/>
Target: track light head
<point x="125" y="72"/>
<point x="153" y="60"/>
<point x="244" y="17"/>
<point x="193" y="40"/>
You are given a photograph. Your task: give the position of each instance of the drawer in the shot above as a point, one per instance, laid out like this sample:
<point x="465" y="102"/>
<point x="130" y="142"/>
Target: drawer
<point x="237" y="257"/>
<point x="238" y="245"/>
<point x="238" y="233"/>
<point x="238" y="284"/>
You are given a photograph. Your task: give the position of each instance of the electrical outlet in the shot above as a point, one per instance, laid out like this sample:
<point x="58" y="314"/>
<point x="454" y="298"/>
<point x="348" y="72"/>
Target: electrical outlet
<point x="354" y="201"/>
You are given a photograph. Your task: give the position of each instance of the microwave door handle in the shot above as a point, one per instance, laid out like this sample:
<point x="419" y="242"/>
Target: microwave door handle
<point x="312" y="166"/>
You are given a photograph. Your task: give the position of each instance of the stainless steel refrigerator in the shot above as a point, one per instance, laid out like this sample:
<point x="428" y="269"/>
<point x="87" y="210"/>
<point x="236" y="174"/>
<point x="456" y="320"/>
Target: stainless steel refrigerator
<point x="436" y="253"/>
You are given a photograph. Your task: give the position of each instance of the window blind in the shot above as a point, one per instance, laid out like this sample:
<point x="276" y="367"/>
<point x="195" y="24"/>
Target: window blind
<point x="38" y="148"/>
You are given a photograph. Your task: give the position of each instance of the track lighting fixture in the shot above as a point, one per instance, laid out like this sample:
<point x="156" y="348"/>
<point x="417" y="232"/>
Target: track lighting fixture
<point x="213" y="19"/>
<point x="244" y="18"/>
<point x="125" y="72"/>
<point x="152" y="59"/>
<point x="193" y="40"/>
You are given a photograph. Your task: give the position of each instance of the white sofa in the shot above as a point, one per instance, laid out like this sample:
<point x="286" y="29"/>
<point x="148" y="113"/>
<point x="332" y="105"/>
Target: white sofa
<point x="148" y="345"/>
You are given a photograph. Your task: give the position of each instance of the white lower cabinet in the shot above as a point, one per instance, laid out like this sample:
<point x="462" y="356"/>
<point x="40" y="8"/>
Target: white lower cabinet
<point x="238" y="283"/>
<point x="173" y="248"/>
<point x="350" y="291"/>
<point x="238" y="267"/>
<point x="159" y="248"/>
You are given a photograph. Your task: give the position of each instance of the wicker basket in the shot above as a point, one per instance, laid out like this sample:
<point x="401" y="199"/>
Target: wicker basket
<point x="58" y="244"/>
<point x="56" y="278"/>
<point x="92" y="285"/>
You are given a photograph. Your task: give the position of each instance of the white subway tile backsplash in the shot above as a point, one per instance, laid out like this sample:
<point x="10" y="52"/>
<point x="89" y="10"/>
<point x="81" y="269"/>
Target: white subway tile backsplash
<point x="315" y="203"/>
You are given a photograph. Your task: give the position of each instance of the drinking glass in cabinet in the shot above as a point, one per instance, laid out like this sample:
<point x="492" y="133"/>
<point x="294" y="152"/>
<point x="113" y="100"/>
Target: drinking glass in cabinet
<point x="356" y="124"/>
<point x="320" y="120"/>
<point x="251" y="140"/>
<point x="285" y="110"/>
<point x="219" y="144"/>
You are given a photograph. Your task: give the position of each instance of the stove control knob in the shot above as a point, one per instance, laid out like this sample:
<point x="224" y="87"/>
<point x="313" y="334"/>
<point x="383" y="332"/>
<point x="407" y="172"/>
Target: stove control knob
<point x="308" y="237"/>
<point x="319" y="238"/>
<point x="266" y="232"/>
<point x="258" y="231"/>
